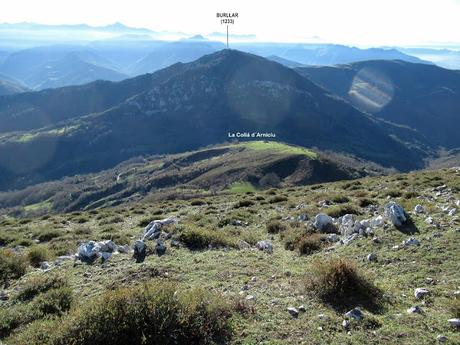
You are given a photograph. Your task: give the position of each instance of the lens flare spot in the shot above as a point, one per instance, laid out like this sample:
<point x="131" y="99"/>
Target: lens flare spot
<point x="371" y="90"/>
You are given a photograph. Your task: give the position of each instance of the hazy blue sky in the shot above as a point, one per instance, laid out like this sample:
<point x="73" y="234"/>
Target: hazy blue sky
<point x="362" y="22"/>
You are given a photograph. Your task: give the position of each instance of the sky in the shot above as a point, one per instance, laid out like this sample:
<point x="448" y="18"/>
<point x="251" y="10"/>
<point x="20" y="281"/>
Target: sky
<point x="358" y="22"/>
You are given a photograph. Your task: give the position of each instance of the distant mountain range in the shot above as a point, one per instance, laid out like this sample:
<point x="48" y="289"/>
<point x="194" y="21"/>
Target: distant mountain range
<point x="9" y="86"/>
<point x="87" y="128"/>
<point x="49" y="56"/>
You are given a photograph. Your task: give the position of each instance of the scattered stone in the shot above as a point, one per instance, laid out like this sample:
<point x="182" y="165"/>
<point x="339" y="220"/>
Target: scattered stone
<point x="345" y="324"/>
<point x="395" y="213"/>
<point x="410" y="242"/>
<point x="414" y="310"/>
<point x="332" y="238"/>
<point x="355" y="314"/>
<point x="429" y="220"/>
<point x="302" y="308"/>
<point x="377" y="221"/>
<point x="441" y="338"/>
<point x="419" y="293"/>
<point x="372" y="257"/>
<point x="107" y="246"/>
<point x="140" y="251"/>
<point x="60" y="259"/>
<point x="45" y="265"/>
<point x="160" y="248"/>
<point x="250" y="298"/>
<point x="369" y="232"/>
<point x="293" y="311"/>
<point x="123" y="249"/>
<point x="323" y="222"/>
<point x="454" y="323"/>
<point x="4" y="296"/>
<point x="265" y="246"/>
<point x="241" y="244"/>
<point x="88" y="252"/>
<point x="324" y="203"/>
<point x="152" y="230"/>
<point x="376" y="240"/>
<point x="349" y="239"/>
<point x="254" y="279"/>
<point x="302" y="217"/>
<point x="177" y="244"/>
<point x="452" y="212"/>
<point x="245" y="287"/>
<point x="419" y="209"/>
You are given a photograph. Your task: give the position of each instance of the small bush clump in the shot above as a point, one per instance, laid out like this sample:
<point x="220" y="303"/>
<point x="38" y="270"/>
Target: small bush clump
<point x="12" y="266"/>
<point x="340" y="199"/>
<point x="47" y="235"/>
<point x="37" y="254"/>
<point x="275" y="226"/>
<point x="309" y="244"/>
<point x="277" y="198"/>
<point x="202" y="238"/>
<point x="197" y="202"/>
<point x="244" y="203"/>
<point x="39" y="284"/>
<point x="152" y="314"/>
<point x="339" y="283"/>
<point x="339" y="211"/>
<point x="299" y="240"/>
<point x="364" y="202"/>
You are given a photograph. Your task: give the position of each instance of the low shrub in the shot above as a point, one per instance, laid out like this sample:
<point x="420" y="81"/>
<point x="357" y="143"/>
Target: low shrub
<point x="36" y="285"/>
<point x="197" y="202"/>
<point x="244" y="203"/>
<point x="37" y="254"/>
<point x="339" y="211"/>
<point x="393" y="193"/>
<point x="47" y="235"/>
<point x="54" y="301"/>
<point x="277" y="198"/>
<point x="340" y="199"/>
<point x="339" y="283"/>
<point x="151" y="314"/>
<point x="309" y="244"/>
<point x="202" y="238"/>
<point x="364" y="202"/>
<point x="12" y="266"/>
<point x="301" y="241"/>
<point x="275" y="226"/>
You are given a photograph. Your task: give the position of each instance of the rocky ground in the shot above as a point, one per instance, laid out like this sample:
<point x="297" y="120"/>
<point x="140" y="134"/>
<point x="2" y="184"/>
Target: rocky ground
<point x="389" y="244"/>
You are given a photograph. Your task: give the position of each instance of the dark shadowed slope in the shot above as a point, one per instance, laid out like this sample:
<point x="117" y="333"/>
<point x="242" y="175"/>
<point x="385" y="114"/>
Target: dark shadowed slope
<point x="423" y="97"/>
<point x="192" y="105"/>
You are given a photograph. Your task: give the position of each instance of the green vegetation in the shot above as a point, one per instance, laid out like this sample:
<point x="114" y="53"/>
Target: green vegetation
<point x="37" y="254"/>
<point x="153" y="314"/>
<point x="339" y="283"/>
<point x="277" y="147"/>
<point x="241" y="188"/>
<point x="12" y="265"/>
<point x="214" y="251"/>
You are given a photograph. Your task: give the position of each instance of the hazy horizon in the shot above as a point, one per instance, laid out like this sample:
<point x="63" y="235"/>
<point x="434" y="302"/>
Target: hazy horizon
<point x="355" y="22"/>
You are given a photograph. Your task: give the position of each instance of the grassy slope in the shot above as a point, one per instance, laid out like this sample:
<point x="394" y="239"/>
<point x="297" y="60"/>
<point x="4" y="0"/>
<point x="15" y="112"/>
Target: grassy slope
<point x="216" y="168"/>
<point x="279" y="277"/>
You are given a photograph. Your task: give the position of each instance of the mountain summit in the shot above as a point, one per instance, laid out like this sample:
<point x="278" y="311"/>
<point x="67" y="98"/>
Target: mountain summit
<point x="191" y="105"/>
